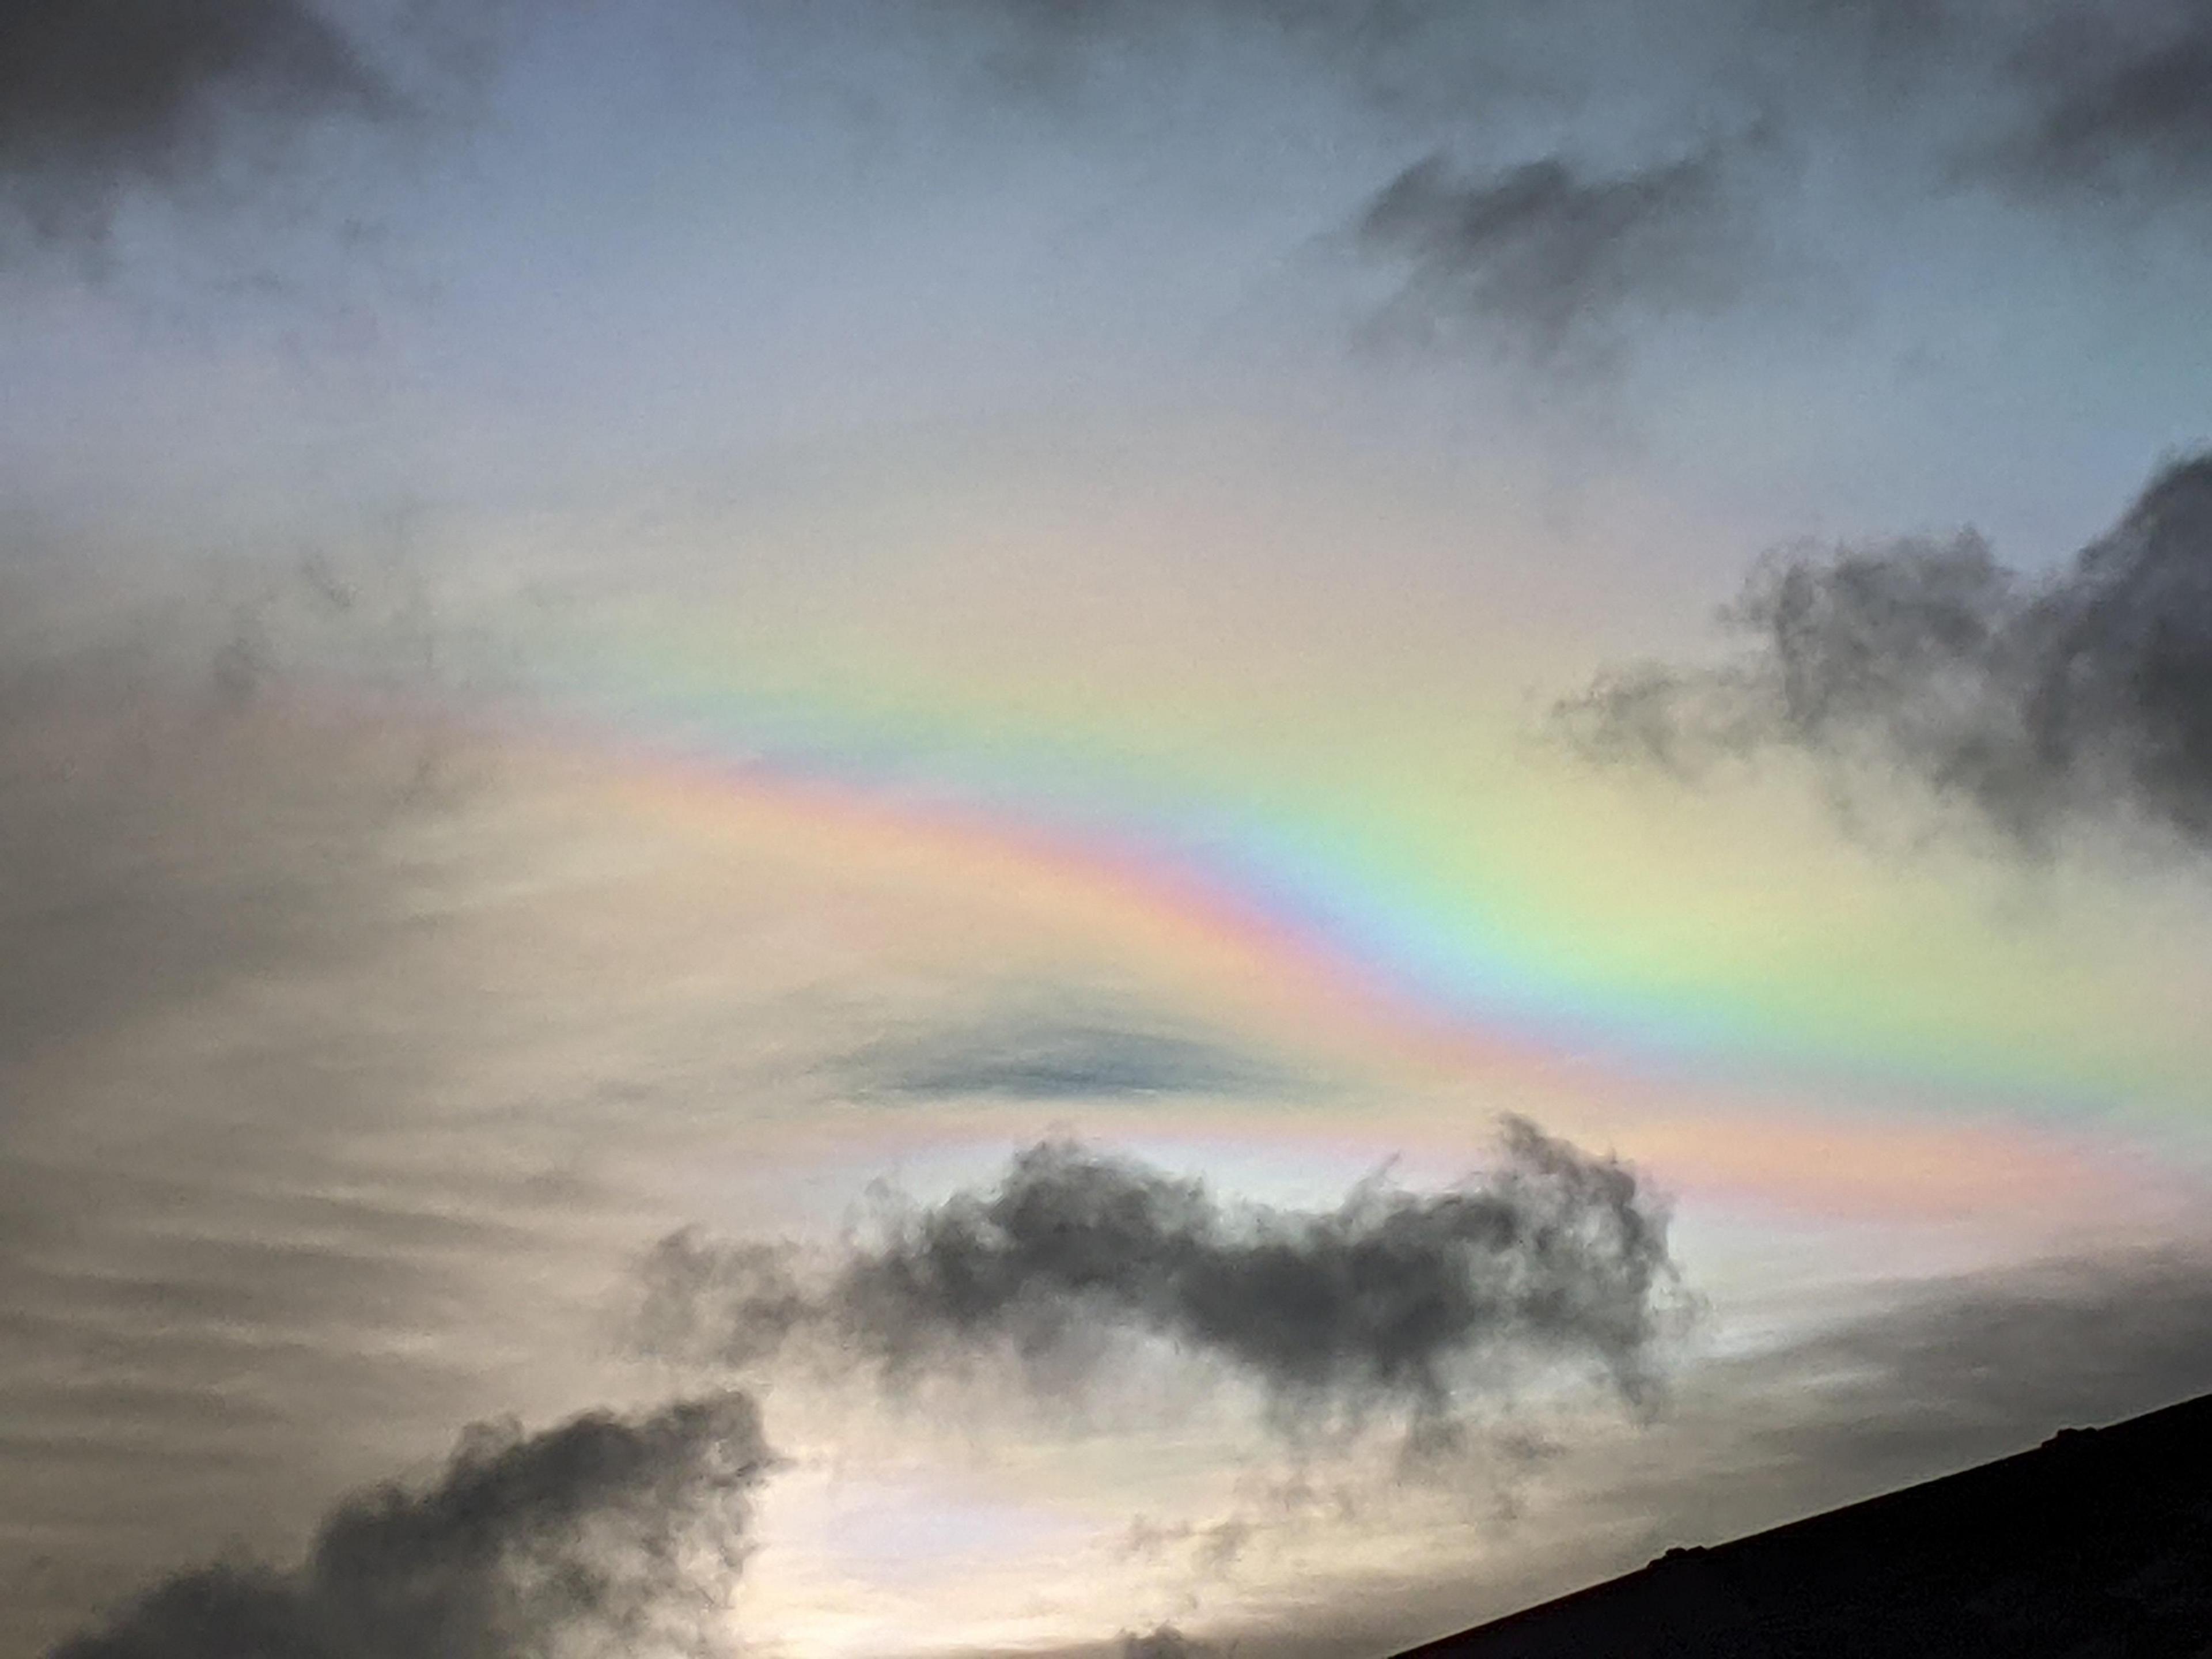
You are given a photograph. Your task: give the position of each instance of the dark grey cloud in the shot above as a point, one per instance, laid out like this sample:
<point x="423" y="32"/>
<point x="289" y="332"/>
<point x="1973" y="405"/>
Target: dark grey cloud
<point x="1051" y="1054"/>
<point x="2120" y="101"/>
<point x="1082" y="15"/>
<point x="1968" y="1368"/>
<point x="607" y="1535"/>
<point x="2040" y="703"/>
<point x="1578" y="192"/>
<point x="100" y="97"/>
<point x="1558" y="257"/>
<point x="1392" y="1303"/>
<point x="213" y="103"/>
<point x="1577" y="197"/>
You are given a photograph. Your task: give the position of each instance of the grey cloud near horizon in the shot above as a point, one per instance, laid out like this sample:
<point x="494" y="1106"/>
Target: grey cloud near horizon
<point x="1940" y="1375"/>
<point x="1392" y="1304"/>
<point x="587" y="1538"/>
<point x="1968" y="1367"/>
<point x="2043" y="705"/>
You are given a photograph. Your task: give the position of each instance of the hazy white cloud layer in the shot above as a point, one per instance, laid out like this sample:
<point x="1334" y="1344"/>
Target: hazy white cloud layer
<point x="881" y="672"/>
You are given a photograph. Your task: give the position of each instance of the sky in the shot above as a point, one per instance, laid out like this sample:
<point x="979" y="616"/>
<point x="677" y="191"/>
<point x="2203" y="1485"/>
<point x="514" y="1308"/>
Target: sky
<point x="956" y="827"/>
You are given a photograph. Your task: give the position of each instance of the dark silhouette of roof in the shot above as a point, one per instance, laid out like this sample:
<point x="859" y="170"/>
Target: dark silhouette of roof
<point x="2096" y="1544"/>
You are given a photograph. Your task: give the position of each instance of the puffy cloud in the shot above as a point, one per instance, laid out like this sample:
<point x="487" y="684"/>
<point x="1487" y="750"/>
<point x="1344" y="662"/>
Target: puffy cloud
<point x="1391" y="1303"/>
<point x="2039" y="702"/>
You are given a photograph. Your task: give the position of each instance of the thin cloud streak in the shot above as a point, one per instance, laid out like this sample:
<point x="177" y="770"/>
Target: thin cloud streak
<point x="1084" y="1054"/>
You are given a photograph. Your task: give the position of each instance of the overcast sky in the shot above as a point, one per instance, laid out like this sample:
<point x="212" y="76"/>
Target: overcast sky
<point x="1078" y="825"/>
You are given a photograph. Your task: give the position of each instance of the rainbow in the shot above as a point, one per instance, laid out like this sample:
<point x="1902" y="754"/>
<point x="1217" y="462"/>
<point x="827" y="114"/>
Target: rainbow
<point x="1391" y="872"/>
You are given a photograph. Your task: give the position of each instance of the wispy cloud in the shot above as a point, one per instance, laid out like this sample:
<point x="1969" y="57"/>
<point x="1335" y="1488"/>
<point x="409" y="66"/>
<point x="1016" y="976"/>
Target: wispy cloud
<point x="174" y="812"/>
<point x="1554" y="259"/>
<point x="2120" y="103"/>
<point x="211" y="104"/>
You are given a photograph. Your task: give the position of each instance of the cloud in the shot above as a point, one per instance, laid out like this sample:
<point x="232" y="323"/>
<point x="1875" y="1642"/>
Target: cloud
<point x="187" y="790"/>
<point x="1627" y="214"/>
<point x="607" y="1535"/>
<point x="204" y="99"/>
<point x="1556" y="256"/>
<point x="2040" y="703"/>
<point x="1598" y="169"/>
<point x="1363" y="28"/>
<point x="1392" y="1303"/>
<point x="1046" y="1054"/>
<point x="1943" y="1374"/>
<point x="101" y="98"/>
<point x="1931" y="1378"/>
<point x="1162" y="1642"/>
<point x="2121" y="102"/>
<point x="2064" y="100"/>
<point x="1213" y="1547"/>
<point x="1965" y="1368"/>
<point x="197" y="799"/>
